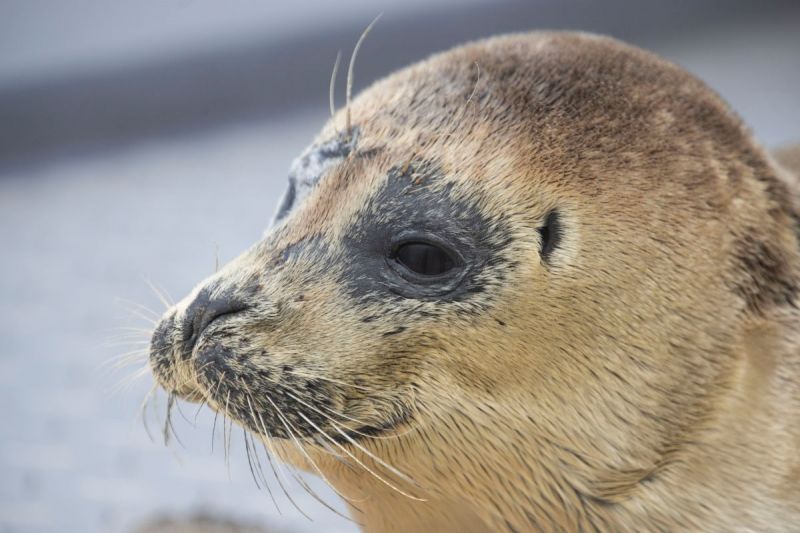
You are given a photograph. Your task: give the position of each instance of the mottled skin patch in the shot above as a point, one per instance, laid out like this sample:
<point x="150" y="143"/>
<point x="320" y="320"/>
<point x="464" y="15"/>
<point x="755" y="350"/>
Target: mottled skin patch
<point x="616" y="349"/>
<point x="311" y="165"/>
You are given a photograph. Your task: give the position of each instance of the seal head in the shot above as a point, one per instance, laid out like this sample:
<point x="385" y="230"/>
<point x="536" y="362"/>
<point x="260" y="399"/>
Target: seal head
<point x="550" y="277"/>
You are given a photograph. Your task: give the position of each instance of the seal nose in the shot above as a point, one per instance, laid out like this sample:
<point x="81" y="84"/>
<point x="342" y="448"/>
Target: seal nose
<point x="209" y="305"/>
<point x="161" y="343"/>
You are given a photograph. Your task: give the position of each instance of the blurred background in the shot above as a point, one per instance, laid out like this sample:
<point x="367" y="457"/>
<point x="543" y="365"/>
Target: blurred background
<point x="138" y="140"/>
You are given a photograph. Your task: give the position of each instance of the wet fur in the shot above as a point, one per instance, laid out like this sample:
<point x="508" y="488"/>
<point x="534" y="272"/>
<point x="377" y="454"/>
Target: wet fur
<point x="644" y="376"/>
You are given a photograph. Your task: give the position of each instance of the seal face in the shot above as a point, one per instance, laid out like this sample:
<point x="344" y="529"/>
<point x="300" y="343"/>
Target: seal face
<point x="409" y="253"/>
<point x="547" y="281"/>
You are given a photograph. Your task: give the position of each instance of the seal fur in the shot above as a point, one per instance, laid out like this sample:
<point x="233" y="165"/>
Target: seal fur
<point x="643" y="374"/>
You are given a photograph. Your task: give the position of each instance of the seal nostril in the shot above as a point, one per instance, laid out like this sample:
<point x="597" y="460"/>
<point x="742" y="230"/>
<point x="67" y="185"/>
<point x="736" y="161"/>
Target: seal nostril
<point x="208" y="306"/>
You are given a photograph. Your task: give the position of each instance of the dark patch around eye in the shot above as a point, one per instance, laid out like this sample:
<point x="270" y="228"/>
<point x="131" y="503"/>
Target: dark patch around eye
<point x="414" y="206"/>
<point x="550" y="233"/>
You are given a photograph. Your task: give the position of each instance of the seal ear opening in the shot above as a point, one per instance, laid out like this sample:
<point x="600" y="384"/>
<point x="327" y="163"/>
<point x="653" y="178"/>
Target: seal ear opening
<point x="550" y="233"/>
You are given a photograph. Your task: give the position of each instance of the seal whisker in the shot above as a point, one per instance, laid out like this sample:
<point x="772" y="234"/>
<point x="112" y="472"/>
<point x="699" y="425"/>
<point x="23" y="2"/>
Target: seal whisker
<point x="143" y="410"/>
<point x="216" y="411"/>
<point x="160" y="293"/>
<point x="250" y="444"/>
<point x="168" y="427"/>
<point x="274" y="473"/>
<point x="124" y="359"/>
<point x="226" y="434"/>
<point x="191" y="378"/>
<point x="290" y="429"/>
<point x="266" y="442"/>
<point x="256" y="419"/>
<point x="299" y="478"/>
<point x="249" y="458"/>
<point x="130" y="348"/>
<point x="474" y="87"/>
<point x="258" y="461"/>
<point x="200" y="406"/>
<point x="155" y="408"/>
<point x="278" y="472"/>
<point x="365" y="467"/>
<point x="338" y="457"/>
<point x="127" y="382"/>
<point x="253" y="468"/>
<point x="252" y="436"/>
<point x="139" y="310"/>
<point x="332" y="87"/>
<point x="128" y="343"/>
<point x="140" y="315"/>
<point x="181" y="413"/>
<point x="327" y="450"/>
<point x="374" y="457"/>
<point x="216" y="257"/>
<point x="302" y="482"/>
<point x="255" y="451"/>
<point x="140" y="372"/>
<point x="342" y="415"/>
<point x="350" y="69"/>
<point x="445" y="136"/>
<point x="214" y="429"/>
<point x="323" y="378"/>
<point x="142" y="334"/>
<point x="136" y="329"/>
<point x="128" y="303"/>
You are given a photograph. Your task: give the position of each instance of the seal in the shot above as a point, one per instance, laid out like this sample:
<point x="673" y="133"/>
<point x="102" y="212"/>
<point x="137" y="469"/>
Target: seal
<point x="544" y="282"/>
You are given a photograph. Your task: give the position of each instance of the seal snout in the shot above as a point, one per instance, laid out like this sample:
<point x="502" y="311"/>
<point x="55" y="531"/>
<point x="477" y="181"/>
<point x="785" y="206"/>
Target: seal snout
<point x="169" y="371"/>
<point x="209" y="305"/>
<point x="177" y="335"/>
<point x="161" y="345"/>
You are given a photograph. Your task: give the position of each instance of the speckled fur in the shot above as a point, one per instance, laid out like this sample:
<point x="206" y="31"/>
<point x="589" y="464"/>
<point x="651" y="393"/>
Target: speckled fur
<point x="646" y="377"/>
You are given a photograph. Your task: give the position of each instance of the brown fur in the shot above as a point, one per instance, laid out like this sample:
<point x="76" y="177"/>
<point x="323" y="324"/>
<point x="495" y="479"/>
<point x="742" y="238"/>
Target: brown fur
<point x="646" y="377"/>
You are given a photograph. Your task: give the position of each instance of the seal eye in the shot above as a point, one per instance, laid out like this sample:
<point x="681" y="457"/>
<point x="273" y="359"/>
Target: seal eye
<point x="424" y="259"/>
